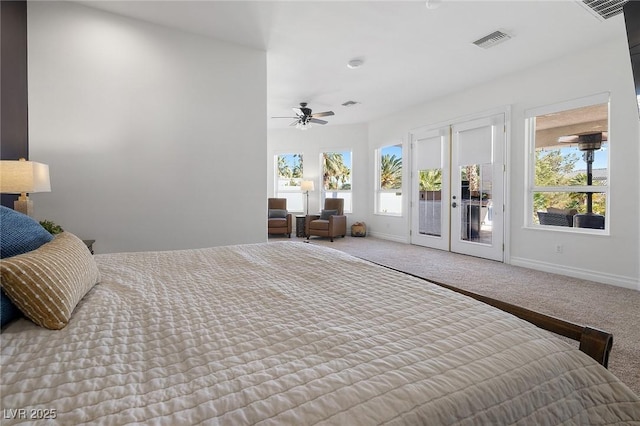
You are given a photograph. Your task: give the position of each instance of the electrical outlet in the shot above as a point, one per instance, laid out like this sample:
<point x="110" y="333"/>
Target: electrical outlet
<point x="558" y="248"/>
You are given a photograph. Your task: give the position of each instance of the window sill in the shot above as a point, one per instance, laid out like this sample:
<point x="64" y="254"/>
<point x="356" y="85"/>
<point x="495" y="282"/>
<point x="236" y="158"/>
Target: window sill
<point x="569" y="230"/>
<point x="388" y="214"/>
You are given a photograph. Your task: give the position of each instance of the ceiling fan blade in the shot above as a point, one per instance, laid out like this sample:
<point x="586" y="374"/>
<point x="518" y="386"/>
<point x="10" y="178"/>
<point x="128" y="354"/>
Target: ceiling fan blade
<point x="298" y="112"/>
<point x="322" y="114"/>
<point x="284" y="117"/>
<point x="315" y="120"/>
<point x="294" y="123"/>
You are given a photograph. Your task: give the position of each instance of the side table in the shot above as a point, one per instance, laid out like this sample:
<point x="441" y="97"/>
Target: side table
<point x="89" y="244"/>
<point x="300" y="226"/>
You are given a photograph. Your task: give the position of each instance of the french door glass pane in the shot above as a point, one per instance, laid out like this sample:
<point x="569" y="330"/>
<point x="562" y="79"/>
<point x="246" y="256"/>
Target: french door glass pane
<point x="476" y="203"/>
<point x="430" y="202"/>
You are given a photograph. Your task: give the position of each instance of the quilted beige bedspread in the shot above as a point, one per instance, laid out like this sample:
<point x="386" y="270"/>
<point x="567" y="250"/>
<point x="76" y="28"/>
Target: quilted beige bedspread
<point x="288" y="333"/>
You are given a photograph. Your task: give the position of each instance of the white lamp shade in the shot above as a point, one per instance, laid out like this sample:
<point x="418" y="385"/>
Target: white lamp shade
<point x="307" y="185"/>
<point x="22" y="176"/>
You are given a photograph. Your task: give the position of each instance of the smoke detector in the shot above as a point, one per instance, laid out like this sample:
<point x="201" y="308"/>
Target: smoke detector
<point x="355" y="63"/>
<point x="433" y="4"/>
<point x="492" y="39"/>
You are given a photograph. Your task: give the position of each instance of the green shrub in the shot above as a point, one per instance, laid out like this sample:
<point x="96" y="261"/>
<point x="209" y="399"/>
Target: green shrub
<point x="51" y="227"/>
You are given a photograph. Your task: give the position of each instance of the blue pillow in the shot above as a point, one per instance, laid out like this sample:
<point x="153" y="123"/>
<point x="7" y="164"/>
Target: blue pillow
<point x="324" y="214"/>
<point x="18" y="234"/>
<point x="8" y="310"/>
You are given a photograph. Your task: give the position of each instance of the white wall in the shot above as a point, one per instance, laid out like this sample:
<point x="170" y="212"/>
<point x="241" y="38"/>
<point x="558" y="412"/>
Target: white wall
<point x="145" y="131"/>
<point x="311" y="144"/>
<point x="609" y="259"/>
<point x="604" y="68"/>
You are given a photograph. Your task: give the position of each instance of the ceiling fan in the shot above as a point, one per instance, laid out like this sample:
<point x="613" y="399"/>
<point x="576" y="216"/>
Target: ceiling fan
<point x="304" y="117"/>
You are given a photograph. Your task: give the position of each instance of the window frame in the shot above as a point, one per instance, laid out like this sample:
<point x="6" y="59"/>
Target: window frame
<point x="379" y="191"/>
<point x="530" y="166"/>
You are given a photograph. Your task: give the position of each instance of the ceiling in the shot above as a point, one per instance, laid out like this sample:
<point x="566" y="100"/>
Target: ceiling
<point x="588" y="119"/>
<point x="411" y="53"/>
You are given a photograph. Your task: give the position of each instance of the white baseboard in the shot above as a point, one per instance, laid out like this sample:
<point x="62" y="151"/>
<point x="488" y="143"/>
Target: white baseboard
<point x="584" y="274"/>
<point x="390" y="237"/>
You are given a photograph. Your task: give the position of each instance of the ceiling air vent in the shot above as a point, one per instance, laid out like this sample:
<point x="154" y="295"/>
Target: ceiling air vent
<point x="604" y="9"/>
<point x="492" y="39"/>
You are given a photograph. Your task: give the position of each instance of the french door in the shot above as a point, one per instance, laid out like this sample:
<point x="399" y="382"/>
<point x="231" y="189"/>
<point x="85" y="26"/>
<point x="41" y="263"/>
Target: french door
<point x="458" y="187"/>
<point x="430" y="188"/>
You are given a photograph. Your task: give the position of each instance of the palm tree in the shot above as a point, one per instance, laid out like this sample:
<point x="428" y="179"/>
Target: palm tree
<point x="390" y="172"/>
<point x="283" y="168"/>
<point x="336" y="174"/>
<point x="471" y="174"/>
<point x="297" y="166"/>
<point x="431" y="180"/>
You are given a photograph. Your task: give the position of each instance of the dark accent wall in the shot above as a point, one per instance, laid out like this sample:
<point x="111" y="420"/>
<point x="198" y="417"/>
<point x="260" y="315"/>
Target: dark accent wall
<point x="632" y="20"/>
<point x="14" y="128"/>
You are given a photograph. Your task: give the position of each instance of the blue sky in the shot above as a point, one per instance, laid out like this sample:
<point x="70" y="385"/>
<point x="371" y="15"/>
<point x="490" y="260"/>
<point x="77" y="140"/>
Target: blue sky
<point x="600" y="158"/>
<point x="288" y="158"/>
<point x="346" y="157"/>
<point x="393" y="150"/>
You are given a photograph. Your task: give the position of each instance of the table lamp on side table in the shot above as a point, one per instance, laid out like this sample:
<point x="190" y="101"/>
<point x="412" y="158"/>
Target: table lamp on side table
<point x="22" y="177"/>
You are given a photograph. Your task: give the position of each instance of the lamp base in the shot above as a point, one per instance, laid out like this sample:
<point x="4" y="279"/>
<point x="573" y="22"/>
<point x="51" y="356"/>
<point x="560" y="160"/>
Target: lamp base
<point x="24" y="206"/>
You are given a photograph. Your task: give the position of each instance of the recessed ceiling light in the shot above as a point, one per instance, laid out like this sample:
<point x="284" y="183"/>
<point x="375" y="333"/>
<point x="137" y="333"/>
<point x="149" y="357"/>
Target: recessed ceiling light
<point x="355" y="63"/>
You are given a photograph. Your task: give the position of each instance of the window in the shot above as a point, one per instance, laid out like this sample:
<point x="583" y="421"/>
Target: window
<point x="289" y="172"/>
<point x="389" y="180"/>
<point x="569" y="179"/>
<point x="336" y="177"/>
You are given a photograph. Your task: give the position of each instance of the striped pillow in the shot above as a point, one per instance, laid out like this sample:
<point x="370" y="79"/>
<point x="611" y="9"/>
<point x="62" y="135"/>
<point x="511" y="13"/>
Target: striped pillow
<point x="46" y="284"/>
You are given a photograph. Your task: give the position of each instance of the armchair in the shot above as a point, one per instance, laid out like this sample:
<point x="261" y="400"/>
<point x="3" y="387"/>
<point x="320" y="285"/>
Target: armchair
<point x="279" y="219"/>
<point x="331" y="222"/>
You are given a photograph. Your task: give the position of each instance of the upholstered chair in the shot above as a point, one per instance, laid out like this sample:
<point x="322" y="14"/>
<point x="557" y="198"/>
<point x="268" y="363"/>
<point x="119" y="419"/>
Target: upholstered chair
<point x="279" y="219"/>
<point x="331" y="222"/>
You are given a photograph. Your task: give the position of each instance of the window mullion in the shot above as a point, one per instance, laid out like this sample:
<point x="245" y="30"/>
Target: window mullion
<point x="585" y="188"/>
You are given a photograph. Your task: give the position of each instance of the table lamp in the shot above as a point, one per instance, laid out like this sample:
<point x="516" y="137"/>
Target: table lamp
<point x="22" y="177"/>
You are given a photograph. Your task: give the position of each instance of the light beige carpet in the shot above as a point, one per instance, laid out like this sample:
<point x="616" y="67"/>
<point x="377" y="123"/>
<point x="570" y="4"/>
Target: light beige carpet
<point x="613" y="309"/>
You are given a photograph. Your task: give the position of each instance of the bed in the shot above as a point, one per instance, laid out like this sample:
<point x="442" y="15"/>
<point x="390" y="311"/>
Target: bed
<point x="287" y="333"/>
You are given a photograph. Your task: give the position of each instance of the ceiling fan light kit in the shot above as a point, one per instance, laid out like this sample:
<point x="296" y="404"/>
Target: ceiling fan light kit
<point x="305" y="116"/>
<point x="302" y="126"/>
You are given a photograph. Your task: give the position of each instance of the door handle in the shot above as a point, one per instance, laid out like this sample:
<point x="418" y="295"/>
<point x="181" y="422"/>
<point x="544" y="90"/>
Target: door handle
<point x="454" y="205"/>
